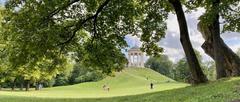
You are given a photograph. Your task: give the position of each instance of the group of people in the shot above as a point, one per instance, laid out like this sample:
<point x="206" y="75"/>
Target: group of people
<point x="106" y="87"/>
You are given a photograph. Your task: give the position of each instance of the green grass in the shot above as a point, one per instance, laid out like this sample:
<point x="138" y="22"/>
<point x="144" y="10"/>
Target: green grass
<point x="130" y="81"/>
<point x="220" y="91"/>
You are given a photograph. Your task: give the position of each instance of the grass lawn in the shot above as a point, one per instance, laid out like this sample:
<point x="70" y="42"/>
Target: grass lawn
<point x="128" y="82"/>
<point x="131" y="85"/>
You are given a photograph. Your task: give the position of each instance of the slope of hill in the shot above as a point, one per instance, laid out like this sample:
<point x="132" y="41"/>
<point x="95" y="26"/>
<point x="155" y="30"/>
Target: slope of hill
<point x="225" y="90"/>
<point x="130" y="81"/>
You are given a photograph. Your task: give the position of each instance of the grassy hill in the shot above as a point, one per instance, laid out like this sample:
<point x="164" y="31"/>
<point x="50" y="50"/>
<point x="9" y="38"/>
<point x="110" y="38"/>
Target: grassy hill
<point x="130" y="81"/>
<point x="226" y="90"/>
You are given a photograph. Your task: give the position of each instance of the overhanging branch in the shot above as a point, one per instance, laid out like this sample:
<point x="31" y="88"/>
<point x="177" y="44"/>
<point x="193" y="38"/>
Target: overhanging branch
<point x="235" y="11"/>
<point x="80" y="23"/>
<point x="56" y="11"/>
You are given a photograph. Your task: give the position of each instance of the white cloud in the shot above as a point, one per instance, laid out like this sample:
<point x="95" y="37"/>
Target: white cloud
<point x="172" y="24"/>
<point x="173" y="46"/>
<point x="171" y="43"/>
<point x="133" y="40"/>
<point x="173" y="53"/>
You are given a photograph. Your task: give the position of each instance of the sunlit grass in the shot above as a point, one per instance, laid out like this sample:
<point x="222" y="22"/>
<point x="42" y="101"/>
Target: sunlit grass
<point x="219" y="91"/>
<point x="128" y="82"/>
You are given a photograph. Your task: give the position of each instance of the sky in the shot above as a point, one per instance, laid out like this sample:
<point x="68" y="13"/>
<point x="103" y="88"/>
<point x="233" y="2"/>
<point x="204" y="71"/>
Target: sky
<point x="2" y="1"/>
<point x="171" y="43"/>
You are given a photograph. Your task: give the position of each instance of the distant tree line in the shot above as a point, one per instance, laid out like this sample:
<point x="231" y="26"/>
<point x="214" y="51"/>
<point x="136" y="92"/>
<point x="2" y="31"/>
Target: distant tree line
<point x="72" y="75"/>
<point x="79" y="74"/>
<point x="179" y="71"/>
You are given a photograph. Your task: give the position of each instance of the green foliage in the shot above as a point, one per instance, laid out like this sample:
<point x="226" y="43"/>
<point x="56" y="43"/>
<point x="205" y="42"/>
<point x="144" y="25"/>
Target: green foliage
<point x="181" y="71"/>
<point x="209" y="70"/>
<point x="228" y="10"/>
<point x="61" y="80"/>
<point x="161" y="64"/>
<point x="82" y="74"/>
<point x="43" y="72"/>
<point x="3" y="55"/>
<point x="92" y="29"/>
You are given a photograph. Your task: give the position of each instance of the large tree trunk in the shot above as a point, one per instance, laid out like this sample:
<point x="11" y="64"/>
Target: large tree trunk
<point x="231" y="60"/>
<point x="27" y="85"/>
<point x="37" y="86"/>
<point x="227" y="62"/>
<point x="21" y="85"/>
<point x="196" y="71"/>
<point x="13" y="85"/>
<point x="219" y="60"/>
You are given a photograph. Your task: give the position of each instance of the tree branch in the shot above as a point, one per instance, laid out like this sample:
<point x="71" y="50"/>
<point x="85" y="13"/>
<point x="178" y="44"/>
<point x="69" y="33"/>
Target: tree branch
<point x="232" y="9"/>
<point x="56" y="11"/>
<point x="80" y="23"/>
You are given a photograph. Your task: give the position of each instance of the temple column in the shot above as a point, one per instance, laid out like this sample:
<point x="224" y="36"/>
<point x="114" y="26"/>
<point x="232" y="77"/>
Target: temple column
<point x="129" y="60"/>
<point x="142" y="60"/>
<point x="133" y="59"/>
<point x="137" y="60"/>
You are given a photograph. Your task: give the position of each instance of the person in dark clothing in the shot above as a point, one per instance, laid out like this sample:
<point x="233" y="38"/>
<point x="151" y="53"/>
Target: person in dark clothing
<point x="151" y="85"/>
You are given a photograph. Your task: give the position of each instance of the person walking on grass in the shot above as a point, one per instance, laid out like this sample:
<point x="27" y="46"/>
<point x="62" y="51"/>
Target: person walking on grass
<point x="106" y="88"/>
<point x="151" y="85"/>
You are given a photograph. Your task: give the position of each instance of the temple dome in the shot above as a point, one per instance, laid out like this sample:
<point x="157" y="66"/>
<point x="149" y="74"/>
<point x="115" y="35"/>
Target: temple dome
<point x="134" y="48"/>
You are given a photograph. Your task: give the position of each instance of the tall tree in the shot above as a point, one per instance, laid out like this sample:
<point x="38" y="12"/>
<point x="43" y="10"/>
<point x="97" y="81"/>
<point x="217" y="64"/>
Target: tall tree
<point x="49" y="28"/>
<point x="227" y="62"/>
<point x="196" y="71"/>
<point x="2" y="64"/>
<point x="58" y="26"/>
<point x="219" y="59"/>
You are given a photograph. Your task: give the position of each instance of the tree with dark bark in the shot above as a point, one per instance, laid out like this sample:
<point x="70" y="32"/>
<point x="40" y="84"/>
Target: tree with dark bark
<point x="94" y="29"/>
<point x="195" y="69"/>
<point x="227" y="62"/>
<point x="220" y="68"/>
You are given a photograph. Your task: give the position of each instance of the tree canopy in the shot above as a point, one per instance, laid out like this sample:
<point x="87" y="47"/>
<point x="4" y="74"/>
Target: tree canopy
<point x="39" y="35"/>
<point x="95" y="29"/>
